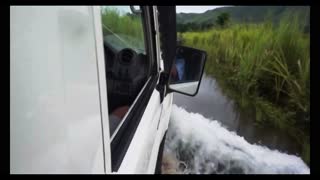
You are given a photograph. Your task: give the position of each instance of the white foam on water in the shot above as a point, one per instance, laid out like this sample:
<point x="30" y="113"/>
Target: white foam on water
<point x="205" y="146"/>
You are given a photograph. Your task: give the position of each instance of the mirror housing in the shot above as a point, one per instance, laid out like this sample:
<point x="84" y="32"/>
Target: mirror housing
<point x="187" y="70"/>
<point x="135" y="9"/>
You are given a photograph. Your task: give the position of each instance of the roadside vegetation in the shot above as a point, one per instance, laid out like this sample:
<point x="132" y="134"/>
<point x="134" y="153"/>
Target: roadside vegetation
<point x="265" y="67"/>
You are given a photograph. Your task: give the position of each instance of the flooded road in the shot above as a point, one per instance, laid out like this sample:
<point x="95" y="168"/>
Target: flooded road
<point x="213" y="104"/>
<point x="208" y="135"/>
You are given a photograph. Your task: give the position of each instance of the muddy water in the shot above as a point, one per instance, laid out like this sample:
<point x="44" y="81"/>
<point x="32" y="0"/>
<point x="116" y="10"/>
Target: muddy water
<point x="213" y="105"/>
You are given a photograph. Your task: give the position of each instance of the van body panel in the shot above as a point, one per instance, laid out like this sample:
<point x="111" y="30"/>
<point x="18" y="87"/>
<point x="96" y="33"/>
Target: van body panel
<point x="55" y="119"/>
<point x="102" y="86"/>
<point x="138" y="154"/>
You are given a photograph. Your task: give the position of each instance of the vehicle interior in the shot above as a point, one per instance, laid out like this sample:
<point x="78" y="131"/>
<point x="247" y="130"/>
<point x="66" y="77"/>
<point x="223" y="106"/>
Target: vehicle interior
<point x="127" y="64"/>
<point x="191" y="66"/>
<point x="126" y="71"/>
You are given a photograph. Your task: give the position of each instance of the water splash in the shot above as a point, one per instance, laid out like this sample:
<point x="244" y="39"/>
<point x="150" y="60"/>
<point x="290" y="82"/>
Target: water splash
<point x="198" y="145"/>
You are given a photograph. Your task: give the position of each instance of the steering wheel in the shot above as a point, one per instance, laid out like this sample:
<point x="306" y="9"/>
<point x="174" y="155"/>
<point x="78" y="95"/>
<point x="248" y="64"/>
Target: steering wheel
<point x="126" y="73"/>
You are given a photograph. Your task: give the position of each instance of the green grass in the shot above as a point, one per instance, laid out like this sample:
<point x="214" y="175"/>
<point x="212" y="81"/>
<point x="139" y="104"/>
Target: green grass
<point x="265" y="67"/>
<point x="126" y="25"/>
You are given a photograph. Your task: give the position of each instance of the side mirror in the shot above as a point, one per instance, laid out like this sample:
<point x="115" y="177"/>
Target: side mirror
<point x="187" y="70"/>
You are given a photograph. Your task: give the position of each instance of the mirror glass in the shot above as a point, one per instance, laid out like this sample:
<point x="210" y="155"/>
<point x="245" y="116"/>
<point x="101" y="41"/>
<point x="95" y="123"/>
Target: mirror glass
<point x="186" y="71"/>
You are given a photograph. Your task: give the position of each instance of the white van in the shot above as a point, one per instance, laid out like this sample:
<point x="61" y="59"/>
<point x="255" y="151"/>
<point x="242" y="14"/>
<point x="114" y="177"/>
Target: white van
<point x="90" y="91"/>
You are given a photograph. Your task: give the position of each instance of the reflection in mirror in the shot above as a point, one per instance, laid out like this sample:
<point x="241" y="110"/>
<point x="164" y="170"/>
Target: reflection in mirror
<point x="186" y="70"/>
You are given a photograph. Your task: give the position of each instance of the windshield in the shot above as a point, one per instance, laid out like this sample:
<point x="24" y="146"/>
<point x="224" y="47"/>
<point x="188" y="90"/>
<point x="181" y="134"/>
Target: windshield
<point x="122" y="29"/>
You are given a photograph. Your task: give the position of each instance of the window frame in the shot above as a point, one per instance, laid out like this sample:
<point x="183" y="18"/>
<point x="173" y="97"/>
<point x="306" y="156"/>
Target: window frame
<point x="112" y="136"/>
<point x="121" y="138"/>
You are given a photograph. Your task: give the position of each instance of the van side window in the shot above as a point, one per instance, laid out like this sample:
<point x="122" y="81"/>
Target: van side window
<point x="126" y="60"/>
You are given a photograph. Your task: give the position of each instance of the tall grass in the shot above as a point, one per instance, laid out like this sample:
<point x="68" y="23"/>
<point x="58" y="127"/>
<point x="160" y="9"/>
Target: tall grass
<point x="126" y="25"/>
<point x="266" y="66"/>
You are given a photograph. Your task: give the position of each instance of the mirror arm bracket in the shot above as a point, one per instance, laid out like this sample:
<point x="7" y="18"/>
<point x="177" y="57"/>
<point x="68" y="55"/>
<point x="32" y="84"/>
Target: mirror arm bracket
<point x="161" y="86"/>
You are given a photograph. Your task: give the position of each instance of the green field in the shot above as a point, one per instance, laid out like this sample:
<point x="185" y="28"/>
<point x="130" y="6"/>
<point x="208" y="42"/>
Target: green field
<point x="265" y="67"/>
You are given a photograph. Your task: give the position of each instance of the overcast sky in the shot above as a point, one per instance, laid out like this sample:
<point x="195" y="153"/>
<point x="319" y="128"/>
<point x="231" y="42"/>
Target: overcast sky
<point x="179" y="9"/>
<point x="194" y="9"/>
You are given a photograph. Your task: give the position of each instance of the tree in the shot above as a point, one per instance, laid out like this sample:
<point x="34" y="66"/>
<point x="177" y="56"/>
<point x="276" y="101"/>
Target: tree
<point x="223" y="19"/>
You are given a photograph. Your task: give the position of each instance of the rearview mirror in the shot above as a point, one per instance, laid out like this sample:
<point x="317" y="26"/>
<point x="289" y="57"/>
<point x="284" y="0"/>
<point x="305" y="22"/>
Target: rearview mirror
<point x="187" y="70"/>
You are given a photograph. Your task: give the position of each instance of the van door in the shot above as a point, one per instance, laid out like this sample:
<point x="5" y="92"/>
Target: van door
<point x="137" y="45"/>
<point x="129" y="38"/>
<point x="55" y="117"/>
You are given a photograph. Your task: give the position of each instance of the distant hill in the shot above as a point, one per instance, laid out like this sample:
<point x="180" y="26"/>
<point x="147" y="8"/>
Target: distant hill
<point x="241" y="14"/>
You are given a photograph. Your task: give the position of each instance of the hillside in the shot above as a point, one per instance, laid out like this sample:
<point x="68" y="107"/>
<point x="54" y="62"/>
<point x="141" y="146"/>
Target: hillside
<point x="241" y="14"/>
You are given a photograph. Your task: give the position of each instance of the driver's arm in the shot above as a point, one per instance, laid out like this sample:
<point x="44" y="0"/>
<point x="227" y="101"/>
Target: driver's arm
<point x="116" y="117"/>
<point x="114" y="121"/>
